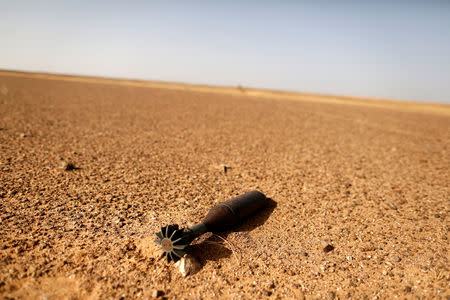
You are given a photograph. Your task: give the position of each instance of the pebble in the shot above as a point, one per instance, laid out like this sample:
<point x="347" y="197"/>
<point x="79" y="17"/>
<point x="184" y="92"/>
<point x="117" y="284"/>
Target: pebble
<point x="157" y="293"/>
<point x="303" y="253"/>
<point x="119" y="221"/>
<point x="187" y="265"/>
<point x="392" y="206"/>
<point x="66" y="166"/>
<point x="271" y="284"/>
<point x="328" y="248"/>
<point x="225" y="167"/>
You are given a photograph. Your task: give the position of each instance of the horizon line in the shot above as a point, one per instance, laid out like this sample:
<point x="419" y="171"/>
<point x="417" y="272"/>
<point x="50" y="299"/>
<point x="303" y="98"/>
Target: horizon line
<point x="235" y="90"/>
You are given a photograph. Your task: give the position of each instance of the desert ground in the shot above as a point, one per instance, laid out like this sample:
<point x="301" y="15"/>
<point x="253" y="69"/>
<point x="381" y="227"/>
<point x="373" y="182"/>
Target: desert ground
<point x="361" y="189"/>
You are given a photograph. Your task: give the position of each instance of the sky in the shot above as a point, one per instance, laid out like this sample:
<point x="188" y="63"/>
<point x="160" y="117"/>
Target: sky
<point x="382" y="49"/>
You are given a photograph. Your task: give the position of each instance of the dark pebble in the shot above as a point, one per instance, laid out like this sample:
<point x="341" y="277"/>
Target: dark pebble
<point x="328" y="248"/>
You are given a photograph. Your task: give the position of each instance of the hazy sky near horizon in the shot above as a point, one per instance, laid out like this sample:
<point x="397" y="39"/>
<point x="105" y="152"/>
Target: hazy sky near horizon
<point x="385" y="49"/>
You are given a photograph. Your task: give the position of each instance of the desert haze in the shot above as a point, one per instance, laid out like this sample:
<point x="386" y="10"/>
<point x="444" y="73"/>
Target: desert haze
<point x="91" y="168"/>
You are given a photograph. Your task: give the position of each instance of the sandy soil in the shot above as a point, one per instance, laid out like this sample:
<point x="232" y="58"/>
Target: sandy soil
<point x="370" y="178"/>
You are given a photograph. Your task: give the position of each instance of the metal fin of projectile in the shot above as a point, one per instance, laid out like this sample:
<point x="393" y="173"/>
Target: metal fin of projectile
<point x="172" y="242"/>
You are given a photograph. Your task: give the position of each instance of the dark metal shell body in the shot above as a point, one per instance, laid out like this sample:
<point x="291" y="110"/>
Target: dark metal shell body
<point x="174" y="242"/>
<point x="229" y="213"/>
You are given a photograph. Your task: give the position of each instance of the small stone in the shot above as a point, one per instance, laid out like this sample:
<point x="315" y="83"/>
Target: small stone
<point x="328" y="248"/>
<point x="22" y="135"/>
<point x="187" y="265"/>
<point x="225" y="167"/>
<point x="266" y="293"/>
<point x="157" y="293"/>
<point x="119" y="221"/>
<point x="271" y="284"/>
<point x="303" y="253"/>
<point x="392" y="206"/>
<point x="408" y="289"/>
<point x="66" y="166"/>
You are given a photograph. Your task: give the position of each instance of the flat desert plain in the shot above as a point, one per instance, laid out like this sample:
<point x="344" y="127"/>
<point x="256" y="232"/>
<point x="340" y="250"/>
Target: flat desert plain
<point x="361" y="189"/>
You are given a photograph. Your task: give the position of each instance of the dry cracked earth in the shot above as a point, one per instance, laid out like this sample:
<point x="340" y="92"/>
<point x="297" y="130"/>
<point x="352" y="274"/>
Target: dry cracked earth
<point x="90" y="171"/>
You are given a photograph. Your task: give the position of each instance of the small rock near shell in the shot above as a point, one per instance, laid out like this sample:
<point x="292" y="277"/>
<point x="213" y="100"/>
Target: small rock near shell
<point x="187" y="265"/>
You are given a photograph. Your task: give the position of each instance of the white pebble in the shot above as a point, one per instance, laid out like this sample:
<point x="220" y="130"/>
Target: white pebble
<point x="187" y="265"/>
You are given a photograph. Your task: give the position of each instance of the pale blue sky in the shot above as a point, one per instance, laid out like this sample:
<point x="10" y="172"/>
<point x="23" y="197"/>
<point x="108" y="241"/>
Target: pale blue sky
<point x="386" y="49"/>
